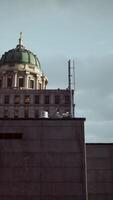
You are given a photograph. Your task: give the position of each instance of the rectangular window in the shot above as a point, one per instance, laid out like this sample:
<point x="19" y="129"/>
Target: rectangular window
<point x="47" y="99"/>
<point x="6" y="99"/>
<point x="10" y="136"/>
<point x="57" y="99"/>
<point x="27" y="99"/>
<point x="9" y="82"/>
<point x="21" y="82"/>
<point x="67" y="99"/>
<point x="37" y="99"/>
<point x="5" y="113"/>
<point x="26" y="112"/>
<point x="16" y="113"/>
<point x="36" y="114"/>
<point x="17" y="99"/>
<point x="1" y="83"/>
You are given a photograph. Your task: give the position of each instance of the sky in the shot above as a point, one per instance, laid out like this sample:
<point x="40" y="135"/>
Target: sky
<point x="59" y="30"/>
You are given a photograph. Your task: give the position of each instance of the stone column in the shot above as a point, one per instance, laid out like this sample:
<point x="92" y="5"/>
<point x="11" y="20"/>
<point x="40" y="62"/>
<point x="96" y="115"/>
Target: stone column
<point x="15" y="80"/>
<point x="26" y="80"/>
<point x="42" y="81"/>
<point x="36" y="82"/>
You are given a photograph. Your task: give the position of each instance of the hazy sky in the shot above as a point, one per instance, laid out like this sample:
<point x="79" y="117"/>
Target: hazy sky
<point x="57" y="30"/>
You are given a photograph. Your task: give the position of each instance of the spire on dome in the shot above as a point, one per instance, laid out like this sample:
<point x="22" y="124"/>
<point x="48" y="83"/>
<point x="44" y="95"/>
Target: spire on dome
<point x="20" y="39"/>
<point x="20" y="44"/>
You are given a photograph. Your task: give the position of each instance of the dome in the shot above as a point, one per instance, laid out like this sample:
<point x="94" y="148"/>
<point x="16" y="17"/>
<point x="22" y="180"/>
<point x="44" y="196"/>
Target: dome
<point x="20" y="55"/>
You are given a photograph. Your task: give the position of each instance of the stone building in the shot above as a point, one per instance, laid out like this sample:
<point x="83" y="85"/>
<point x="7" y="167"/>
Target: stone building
<point x="43" y="154"/>
<point x="42" y="151"/>
<point x="23" y="88"/>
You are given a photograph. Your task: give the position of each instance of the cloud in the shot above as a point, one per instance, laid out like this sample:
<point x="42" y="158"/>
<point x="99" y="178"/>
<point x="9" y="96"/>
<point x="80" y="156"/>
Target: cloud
<point x="93" y="94"/>
<point x="96" y="73"/>
<point x="56" y="69"/>
<point x="94" y="78"/>
<point x="94" y="97"/>
<point x="99" y="131"/>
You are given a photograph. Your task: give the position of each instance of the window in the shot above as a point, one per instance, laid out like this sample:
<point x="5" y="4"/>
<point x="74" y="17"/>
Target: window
<point x="57" y="99"/>
<point x="36" y="114"/>
<point x="21" y="81"/>
<point x="37" y="99"/>
<point x="67" y="99"/>
<point x="0" y="82"/>
<point x="16" y="113"/>
<point x="46" y="99"/>
<point x="17" y="99"/>
<point x="5" y="113"/>
<point x="6" y="99"/>
<point x="9" y="82"/>
<point x="31" y="83"/>
<point x="27" y="99"/>
<point x="26" y="112"/>
<point x="10" y="136"/>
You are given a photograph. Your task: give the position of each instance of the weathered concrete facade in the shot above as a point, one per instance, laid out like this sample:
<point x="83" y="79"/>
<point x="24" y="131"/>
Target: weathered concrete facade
<point x="100" y="171"/>
<point x="42" y="159"/>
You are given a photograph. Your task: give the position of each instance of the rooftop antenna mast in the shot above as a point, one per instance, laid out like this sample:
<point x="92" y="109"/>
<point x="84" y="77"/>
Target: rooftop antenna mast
<point x="71" y="82"/>
<point x="74" y="75"/>
<point x="69" y="74"/>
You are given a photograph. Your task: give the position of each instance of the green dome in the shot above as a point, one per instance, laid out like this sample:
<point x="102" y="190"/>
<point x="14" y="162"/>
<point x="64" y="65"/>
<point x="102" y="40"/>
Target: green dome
<point x="19" y="55"/>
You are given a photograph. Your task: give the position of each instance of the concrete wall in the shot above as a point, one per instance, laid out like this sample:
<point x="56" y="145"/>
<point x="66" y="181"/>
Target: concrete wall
<point x="42" y="159"/>
<point x="100" y="171"/>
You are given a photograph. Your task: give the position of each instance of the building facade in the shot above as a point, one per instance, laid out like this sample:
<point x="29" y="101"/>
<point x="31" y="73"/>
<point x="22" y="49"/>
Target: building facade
<point x="23" y="92"/>
<point x="43" y="154"/>
<point x="41" y="143"/>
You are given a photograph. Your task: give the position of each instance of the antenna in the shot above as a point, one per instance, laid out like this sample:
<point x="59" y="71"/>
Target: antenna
<point x="69" y="74"/>
<point x="71" y="85"/>
<point x="74" y="75"/>
<point x="73" y="105"/>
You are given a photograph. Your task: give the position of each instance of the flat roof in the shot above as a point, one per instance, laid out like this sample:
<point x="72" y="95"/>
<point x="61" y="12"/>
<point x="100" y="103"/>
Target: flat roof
<point x="53" y="119"/>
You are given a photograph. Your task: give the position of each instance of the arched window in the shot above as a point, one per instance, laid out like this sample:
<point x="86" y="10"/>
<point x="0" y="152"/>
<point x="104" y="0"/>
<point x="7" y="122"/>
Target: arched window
<point x="32" y="84"/>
